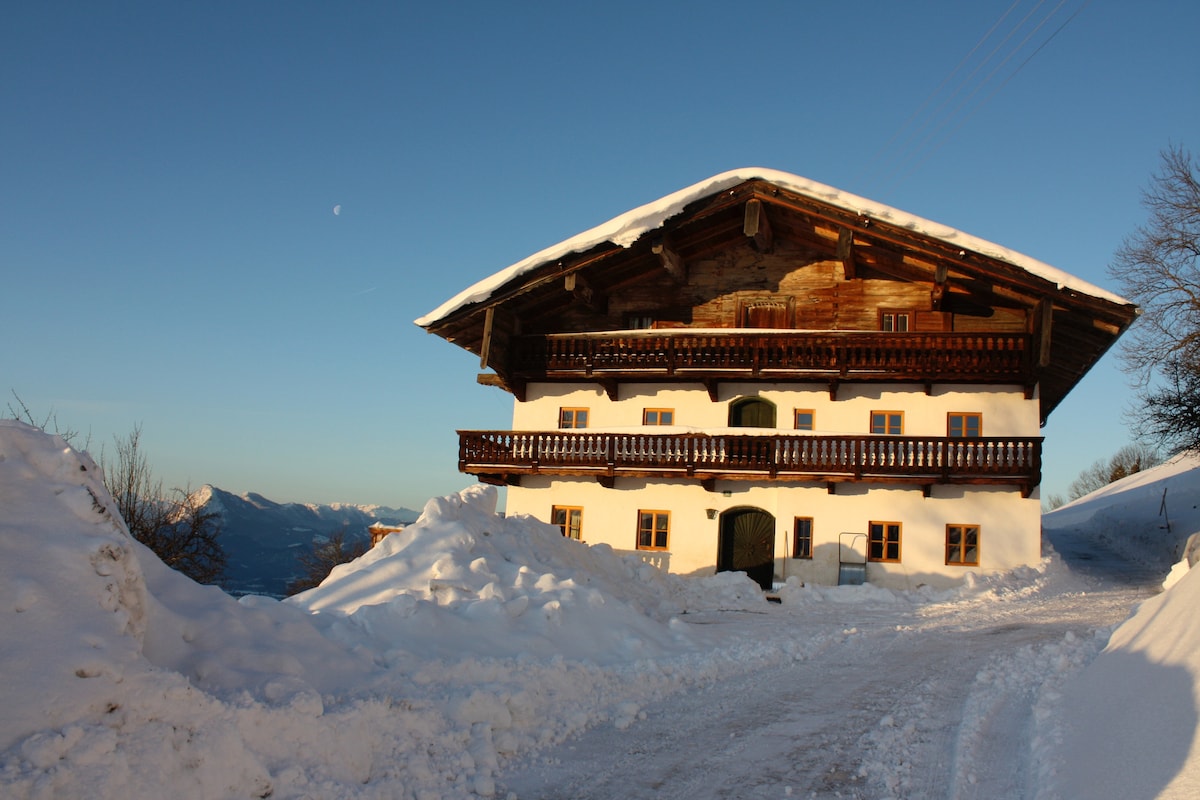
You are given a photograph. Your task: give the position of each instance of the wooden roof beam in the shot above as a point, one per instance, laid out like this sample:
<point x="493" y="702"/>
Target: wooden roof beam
<point x="583" y="292"/>
<point x="938" y="295"/>
<point x="757" y="227"/>
<point x="671" y="261"/>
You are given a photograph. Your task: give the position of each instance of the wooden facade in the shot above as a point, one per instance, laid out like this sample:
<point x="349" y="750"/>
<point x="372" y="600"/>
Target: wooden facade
<point x="755" y="284"/>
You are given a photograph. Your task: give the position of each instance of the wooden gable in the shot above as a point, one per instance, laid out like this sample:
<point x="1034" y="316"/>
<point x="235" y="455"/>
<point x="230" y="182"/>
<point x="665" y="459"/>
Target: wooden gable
<point x="759" y="256"/>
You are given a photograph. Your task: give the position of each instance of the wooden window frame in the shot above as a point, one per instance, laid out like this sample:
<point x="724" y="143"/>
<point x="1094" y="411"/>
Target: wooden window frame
<point x="812" y="419"/>
<point x="964" y="416"/>
<point x="802" y="541"/>
<point x="658" y="415"/>
<point x="648" y="537"/>
<point x="574" y="413"/>
<point x="887" y="423"/>
<point x="956" y="552"/>
<point x="878" y="545"/>
<point x="565" y="525"/>
<point x="894" y="315"/>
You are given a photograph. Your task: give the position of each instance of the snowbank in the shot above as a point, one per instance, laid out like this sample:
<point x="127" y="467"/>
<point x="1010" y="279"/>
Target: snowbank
<point x="1146" y="517"/>
<point x="1130" y="720"/>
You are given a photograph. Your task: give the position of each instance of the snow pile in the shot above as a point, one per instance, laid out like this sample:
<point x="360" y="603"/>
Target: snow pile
<point x="510" y="586"/>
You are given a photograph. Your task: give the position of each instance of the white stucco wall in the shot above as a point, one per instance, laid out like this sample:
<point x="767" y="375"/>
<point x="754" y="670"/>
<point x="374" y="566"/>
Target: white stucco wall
<point x="1005" y="410"/>
<point x="1009" y="524"/>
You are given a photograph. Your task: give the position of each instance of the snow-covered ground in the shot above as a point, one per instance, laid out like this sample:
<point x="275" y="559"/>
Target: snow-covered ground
<point x="475" y="655"/>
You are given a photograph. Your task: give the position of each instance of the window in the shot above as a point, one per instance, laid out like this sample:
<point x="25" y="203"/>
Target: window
<point x="883" y="541"/>
<point x="751" y="412"/>
<point x="805" y="418"/>
<point x="802" y="541"/>
<point x="962" y="545"/>
<point x="572" y="417"/>
<point x="658" y="416"/>
<point x="897" y="321"/>
<point x="569" y="520"/>
<point x="653" y="528"/>
<point x="889" y="423"/>
<point x="964" y="425"/>
<point x="640" y="322"/>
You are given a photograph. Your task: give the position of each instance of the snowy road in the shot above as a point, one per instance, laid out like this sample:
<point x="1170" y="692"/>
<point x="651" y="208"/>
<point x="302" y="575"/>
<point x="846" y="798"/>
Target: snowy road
<point x="928" y="701"/>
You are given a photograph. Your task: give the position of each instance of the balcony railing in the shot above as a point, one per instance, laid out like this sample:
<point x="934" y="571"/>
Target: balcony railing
<point x="501" y="455"/>
<point x="998" y="357"/>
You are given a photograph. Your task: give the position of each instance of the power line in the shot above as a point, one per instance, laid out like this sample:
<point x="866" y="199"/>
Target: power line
<point x="940" y="86"/>
<point x="911" y="153"/>
<point x="1004" y="83"/>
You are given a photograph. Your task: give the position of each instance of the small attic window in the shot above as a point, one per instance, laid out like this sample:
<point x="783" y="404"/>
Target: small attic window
<point x="895" y="321"/>
<point x="640" y="322"/>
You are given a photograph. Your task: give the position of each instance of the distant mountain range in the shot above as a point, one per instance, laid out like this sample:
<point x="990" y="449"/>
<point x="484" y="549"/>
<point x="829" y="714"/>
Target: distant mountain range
<point x="262" y="538"/>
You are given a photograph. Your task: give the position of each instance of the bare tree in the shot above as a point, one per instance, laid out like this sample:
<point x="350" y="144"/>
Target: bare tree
<point x="47" y="423"/>
<point x="324" y="556"/>
<point x="176" y="527"/>
<point x="1130" y="459"/>
<point x="189" y="540"/>
<point x="1053" y="501"/>
<point x="1158" y="267"/>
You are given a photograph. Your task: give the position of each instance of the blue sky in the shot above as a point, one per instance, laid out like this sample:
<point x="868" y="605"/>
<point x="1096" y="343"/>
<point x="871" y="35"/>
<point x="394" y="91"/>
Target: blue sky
<point x="168" y="173"/>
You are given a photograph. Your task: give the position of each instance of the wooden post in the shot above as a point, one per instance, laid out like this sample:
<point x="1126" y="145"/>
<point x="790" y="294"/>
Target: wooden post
<point x="1044" y="313"/>
<point x="757" y="227"/>
<point x="845" y="253"/>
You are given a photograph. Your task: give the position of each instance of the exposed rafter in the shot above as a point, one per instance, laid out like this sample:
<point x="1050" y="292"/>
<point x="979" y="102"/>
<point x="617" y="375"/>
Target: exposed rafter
<point x="671" y="261"/>
<point x="938" y="296"/>
<point x="583" y="292"/>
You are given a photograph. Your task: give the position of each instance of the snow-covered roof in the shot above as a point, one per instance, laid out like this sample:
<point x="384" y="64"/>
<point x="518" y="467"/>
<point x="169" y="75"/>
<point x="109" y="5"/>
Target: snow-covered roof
<point x="627" y="228"/>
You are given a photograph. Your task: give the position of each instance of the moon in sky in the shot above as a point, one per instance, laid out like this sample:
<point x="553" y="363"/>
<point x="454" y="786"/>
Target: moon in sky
<point x="337" y="210"/>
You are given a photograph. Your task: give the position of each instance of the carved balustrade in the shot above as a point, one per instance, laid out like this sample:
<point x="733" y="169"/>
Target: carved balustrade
<point x="930" y="459"/>
<point x="940" y="356"/>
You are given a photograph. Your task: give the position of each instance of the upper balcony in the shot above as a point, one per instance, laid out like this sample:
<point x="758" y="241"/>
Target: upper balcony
<point x="832" y="357"/>
<point x="504" y="456"/>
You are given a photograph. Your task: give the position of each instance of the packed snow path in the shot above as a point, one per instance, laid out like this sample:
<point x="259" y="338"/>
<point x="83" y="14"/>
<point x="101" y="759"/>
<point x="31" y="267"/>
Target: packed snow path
<point x="945" y="700"/>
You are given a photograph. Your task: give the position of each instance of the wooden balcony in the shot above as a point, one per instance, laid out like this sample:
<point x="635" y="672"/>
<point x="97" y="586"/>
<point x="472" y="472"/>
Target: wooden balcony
<point x="822" y="356"/>
<point x="502" y="457"/>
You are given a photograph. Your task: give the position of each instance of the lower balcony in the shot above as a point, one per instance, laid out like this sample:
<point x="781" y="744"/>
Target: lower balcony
<point x="502" y="457"/>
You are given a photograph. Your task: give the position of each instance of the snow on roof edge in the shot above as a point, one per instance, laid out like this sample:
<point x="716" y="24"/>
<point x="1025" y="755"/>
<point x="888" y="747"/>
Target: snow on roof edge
<point x="627" y="228"/>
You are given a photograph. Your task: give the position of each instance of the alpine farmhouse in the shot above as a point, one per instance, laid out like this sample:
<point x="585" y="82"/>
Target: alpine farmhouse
<point x="766" y="374"/>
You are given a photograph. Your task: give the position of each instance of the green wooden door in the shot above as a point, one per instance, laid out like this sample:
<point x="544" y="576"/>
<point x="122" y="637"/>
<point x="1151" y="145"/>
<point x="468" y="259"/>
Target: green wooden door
<point x="748" y="544"/>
